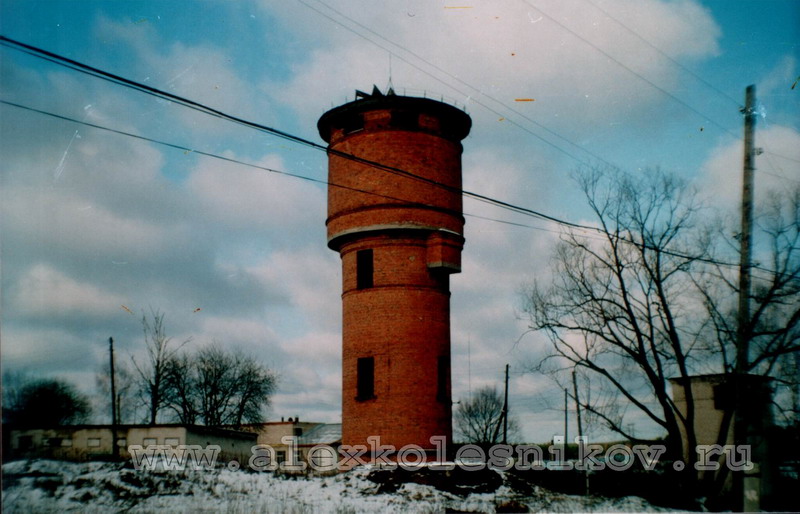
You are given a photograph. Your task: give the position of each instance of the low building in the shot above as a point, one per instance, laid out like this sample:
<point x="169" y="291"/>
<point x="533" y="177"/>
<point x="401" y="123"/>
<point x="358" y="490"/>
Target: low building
<point x="89" y="442"/>
<point x="714" y="395"/>
<point x="302" y="436"/>
<point x="272" y="434"/>
<point x="319" y="447"/>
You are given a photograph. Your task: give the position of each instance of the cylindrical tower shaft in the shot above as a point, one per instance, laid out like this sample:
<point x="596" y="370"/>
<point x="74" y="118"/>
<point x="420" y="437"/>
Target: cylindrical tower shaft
<point x="395" y="217"/>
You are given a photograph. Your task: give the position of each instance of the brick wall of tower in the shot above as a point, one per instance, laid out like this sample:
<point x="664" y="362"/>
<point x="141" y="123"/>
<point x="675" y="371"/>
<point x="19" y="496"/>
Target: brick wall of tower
<point x="413" y="230"/>
<point x="387" y="195"/>
<point x="403" y="321"/>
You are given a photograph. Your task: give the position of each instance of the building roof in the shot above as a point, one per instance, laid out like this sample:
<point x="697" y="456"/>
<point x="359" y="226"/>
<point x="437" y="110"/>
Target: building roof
<point x="721" y="377"/>
<point x="325" y="433"/>
<point x="201" y="429"/>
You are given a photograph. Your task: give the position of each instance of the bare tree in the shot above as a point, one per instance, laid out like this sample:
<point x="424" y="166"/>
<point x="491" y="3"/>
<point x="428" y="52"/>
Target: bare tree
<point x="152" y="372"/>
<point x="181" y="389"/>
<point x="774" y="325"/>
<point x="219" y="387"/>
<point x="125" y="389"/>
<point x="478" y="419"/>
<point x="616" y="310"/>
<point x="787" y="373"/>
<point x="649" y="296"/>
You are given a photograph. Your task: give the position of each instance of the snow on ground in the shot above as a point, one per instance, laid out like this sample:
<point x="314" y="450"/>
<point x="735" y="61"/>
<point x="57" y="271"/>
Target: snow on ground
<point x="56" y="486"/>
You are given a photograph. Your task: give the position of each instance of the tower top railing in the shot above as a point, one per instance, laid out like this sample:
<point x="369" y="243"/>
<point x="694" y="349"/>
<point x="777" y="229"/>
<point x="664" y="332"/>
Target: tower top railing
<point x="411" y="93"/>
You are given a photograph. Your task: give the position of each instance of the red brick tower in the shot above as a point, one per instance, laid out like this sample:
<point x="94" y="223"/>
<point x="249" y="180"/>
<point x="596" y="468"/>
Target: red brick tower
<point x="399" y="237"/>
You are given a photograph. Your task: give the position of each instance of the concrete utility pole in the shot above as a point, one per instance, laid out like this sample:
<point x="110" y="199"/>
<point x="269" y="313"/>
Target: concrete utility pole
<point x="746" y="241"/>
<point x="740" y="426"/>
<point x="114" y="415"/>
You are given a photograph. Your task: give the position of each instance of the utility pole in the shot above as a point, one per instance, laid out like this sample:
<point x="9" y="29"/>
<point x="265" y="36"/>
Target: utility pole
<point x="740" y="426"/>
<point x="469" y="366"/>
<point x="505" y="411"/>
<point x="746" y="241"/>
<point x="566" y="420"/>
<point x="503" y="416"/>
<point x="114" y="414"/>
<point x="577" y="403"/>
<point x="580" y="430"/>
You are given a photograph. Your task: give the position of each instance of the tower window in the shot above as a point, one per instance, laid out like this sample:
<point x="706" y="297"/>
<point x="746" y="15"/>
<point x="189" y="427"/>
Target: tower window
<point x="353" y="124"/>
<point x="442" y="374"/>
<point x="442" y="278"/>
<point x="364" y="269"/>
<point x="365" y="380"/>
<point x="405" y="120"/>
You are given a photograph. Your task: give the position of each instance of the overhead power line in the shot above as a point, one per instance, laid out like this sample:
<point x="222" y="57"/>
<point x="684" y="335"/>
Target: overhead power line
<point x="505" y="106"/>
<point x="138" y="86"/>
<point x="187" y="150"/>
<point x="458" y="79"/>
<point x="628" y="68"/>
<point x="663" y="54"/>
<point x="648" y="81"/>
<point x="84" y="68"/>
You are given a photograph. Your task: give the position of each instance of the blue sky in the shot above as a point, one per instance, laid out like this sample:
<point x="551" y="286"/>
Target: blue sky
<point x="92" y="221"/>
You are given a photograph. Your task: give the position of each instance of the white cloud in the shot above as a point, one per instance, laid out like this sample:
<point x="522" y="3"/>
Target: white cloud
<point x="31" y="349"/>
<point x="66" y="223"/>
<point x="128" y="219"/>
<point x="721" y="179"/>
<point x="44" y="291"/>
<point x="202" y="73"/>
<point x="315" y="350"/>
<point x="311" y="279"/>
<point x="779" y="79"/>
<point x="248" y="334"/>
<point x="251" y="198"/>
<point x="508" y="50"/>
<point x="310" y="382"/>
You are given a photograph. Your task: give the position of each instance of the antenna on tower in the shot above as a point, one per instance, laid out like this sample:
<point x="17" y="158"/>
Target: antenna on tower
<point x="390" y="86"/>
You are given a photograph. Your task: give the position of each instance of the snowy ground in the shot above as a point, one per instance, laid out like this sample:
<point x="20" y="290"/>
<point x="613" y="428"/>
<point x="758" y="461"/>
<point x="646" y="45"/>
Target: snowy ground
<point x="55" y="486"/>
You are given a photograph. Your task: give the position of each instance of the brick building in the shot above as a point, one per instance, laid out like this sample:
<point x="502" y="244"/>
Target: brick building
<point x="395" y="217"/>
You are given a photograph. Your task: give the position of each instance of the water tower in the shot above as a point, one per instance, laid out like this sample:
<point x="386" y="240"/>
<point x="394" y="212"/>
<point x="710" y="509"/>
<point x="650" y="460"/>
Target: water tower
<point x="399" y="230"/>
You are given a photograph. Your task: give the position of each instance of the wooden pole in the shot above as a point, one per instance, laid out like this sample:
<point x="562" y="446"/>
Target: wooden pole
<point x="580" y="429"/>
<point x="114" y="413"/>
<point x="505" y="411"/>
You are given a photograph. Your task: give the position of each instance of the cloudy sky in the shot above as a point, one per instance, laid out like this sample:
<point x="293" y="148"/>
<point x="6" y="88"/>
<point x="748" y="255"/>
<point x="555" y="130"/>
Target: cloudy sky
<point x="99" y="227"/>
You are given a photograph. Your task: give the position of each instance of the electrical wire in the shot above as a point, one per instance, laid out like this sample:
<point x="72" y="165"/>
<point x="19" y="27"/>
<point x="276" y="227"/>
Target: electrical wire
<point x="520" y="114"/>
<point x="673" y="61"/>
<point x="187" y="150"/>
<point x="629" y="69"/>
<point x="83" y="68"/>
<point x="723" y="94"/>
<point x="599" y="234"/>
<point x="460" y="81"/>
